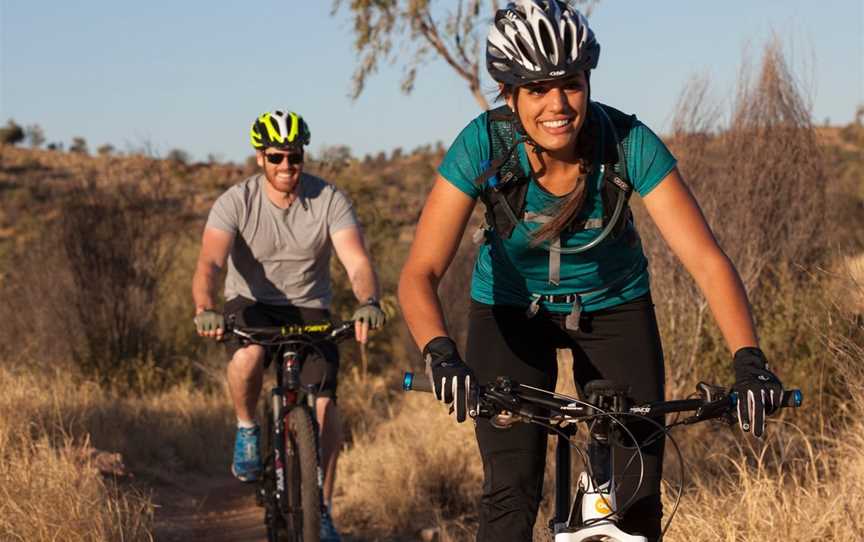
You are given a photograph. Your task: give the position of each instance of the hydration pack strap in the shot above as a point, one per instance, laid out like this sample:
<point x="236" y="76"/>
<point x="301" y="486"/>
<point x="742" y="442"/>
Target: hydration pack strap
<point x="555" y="248"/>
<point x="572" y="321"/>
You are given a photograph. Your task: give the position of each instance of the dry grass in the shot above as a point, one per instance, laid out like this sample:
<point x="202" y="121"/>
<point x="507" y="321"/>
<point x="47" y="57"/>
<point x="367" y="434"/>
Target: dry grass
<point x="818" y="499"/>
<point x="806" y="481"/>
<point x="50" y="487"/>
<point x="409" y="472"/>
<point x="47" y="493"/>
<point x="47" y="490"/>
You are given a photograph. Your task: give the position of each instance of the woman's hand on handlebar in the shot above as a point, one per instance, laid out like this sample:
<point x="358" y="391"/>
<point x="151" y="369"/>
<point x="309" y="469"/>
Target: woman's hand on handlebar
<point x="210" y="324"/>
<point x="451" y="377"/>
<point x="760" y="392"/>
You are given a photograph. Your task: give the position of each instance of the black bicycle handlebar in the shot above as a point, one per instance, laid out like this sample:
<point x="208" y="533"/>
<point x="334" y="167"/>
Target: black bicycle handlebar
<point x="293" y="333"/>
<point x="506" y="402"/>
<point x="706" y="407"/>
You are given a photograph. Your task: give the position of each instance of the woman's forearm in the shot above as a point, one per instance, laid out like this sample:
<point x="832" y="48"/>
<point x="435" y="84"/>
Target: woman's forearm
<point x="727" y="298"/>
<point x="418" y="297"/>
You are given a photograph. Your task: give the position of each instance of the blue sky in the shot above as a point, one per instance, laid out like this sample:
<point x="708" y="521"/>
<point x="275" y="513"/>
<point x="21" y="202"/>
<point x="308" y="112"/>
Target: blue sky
<point x="193" y="74"/>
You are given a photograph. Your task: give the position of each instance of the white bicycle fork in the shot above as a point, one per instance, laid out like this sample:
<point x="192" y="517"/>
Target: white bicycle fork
<point x="596" y="506"/>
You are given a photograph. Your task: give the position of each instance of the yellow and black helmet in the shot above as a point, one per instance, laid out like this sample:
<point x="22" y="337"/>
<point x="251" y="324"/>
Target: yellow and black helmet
<point x="279" y="129"/>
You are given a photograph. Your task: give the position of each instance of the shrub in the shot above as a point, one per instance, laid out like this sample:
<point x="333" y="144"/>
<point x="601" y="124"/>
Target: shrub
<point x="11" y="134"/>
<point x="35" y="135"/>
<point x="116" y="244"/>
<point x="78" y="145"/>
<point x="178" y="156"/>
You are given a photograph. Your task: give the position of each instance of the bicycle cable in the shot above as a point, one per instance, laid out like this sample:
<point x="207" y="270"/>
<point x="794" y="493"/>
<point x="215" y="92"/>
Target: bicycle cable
<point x="664" y="430"/>
<point x="601" y="413"/>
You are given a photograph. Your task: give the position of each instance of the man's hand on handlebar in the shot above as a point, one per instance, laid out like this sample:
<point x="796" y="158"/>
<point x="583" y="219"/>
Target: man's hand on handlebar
<point x="368" y="315"/>
<point x="451" y="378"/>
<point x="210" y="323"/>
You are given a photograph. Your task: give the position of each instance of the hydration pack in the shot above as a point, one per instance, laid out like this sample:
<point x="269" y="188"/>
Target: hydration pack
<point x="504" y="181"/>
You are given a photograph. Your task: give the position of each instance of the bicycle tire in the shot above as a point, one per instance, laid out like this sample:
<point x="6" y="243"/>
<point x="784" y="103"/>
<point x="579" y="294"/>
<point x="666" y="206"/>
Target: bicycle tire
<point x="300" y="437"/>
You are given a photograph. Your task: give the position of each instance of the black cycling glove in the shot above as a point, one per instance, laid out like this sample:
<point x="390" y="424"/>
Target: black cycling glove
<point x="451" y="378"/>
<point x="759" y="390"/>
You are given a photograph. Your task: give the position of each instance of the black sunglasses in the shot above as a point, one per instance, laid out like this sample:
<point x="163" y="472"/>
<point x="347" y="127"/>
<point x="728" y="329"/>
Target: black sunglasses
<point x="276" y="158"/>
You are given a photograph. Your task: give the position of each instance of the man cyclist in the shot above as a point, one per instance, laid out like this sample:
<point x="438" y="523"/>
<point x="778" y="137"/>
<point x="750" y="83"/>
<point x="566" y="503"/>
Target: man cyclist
<point x="275" y="230"/>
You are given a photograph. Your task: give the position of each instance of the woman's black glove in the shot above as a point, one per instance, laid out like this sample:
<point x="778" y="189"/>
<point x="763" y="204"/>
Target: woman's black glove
<point x="759" y="390"/>
<point x="451" y="378"/>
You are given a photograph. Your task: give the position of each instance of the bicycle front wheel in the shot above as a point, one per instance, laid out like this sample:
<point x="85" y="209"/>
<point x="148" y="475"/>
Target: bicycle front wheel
<point x="301" y="457"/>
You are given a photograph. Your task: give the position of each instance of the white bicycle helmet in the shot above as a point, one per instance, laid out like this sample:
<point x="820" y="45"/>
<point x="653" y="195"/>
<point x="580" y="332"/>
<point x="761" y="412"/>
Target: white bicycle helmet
<point x="539" y="40"/>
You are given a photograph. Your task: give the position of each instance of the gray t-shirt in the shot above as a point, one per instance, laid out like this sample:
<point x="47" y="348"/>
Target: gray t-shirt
<point x="281" y="256"/>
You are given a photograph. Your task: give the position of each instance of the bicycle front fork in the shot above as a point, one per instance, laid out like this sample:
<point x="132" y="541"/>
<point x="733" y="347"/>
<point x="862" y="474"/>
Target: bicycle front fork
<point x="596" y="503"/>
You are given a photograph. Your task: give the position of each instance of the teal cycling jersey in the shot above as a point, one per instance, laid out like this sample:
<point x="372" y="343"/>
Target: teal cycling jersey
<point x="513" y="272"/>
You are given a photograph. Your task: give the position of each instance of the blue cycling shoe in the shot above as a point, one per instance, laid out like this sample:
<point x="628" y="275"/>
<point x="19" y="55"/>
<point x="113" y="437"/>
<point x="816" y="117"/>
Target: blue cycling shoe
<point x="247" y="455"/>
<point x="328" y="530"/>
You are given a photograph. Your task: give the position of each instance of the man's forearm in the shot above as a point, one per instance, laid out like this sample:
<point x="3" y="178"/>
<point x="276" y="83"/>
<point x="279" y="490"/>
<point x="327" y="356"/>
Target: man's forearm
<point x="364" y="283"/>
<point x="204" y="287"/>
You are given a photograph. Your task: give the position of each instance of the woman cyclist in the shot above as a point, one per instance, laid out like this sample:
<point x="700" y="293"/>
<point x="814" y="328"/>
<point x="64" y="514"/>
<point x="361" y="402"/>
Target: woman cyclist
<point x="562" y="265"/>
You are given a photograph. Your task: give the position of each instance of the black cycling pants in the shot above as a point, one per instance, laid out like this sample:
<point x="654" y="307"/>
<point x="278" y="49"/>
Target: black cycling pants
<point x="622" y="344"/>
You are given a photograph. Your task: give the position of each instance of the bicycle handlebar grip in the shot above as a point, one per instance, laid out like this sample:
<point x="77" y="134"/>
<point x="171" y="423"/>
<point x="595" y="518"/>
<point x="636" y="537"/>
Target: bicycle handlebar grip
<point x="342" y="329"/>
<point x="416" y="382"/>
<point x="791" y="398"/>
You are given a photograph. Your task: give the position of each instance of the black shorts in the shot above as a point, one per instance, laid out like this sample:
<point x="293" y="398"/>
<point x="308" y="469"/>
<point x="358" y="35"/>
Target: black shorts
<point x="318" y="372"/>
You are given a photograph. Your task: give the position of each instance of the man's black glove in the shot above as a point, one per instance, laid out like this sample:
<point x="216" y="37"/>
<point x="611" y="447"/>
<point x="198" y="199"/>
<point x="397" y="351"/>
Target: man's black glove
<point x="451" y="378"/>
<point x="759" y="390"/>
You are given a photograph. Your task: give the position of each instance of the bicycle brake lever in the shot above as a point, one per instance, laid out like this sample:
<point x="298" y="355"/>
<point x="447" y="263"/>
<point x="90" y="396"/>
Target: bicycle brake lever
<point x="709" y="392"/>
<point x="717" y="409"/>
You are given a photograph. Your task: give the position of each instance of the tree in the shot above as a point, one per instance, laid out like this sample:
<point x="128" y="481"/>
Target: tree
<point x="11" y="134"/>
<point x="78" y="145"/>
<point x="35" y="135"/>
<point x="105" y="150"/>
<point x="387" y="30"/>
<point x="335" y="156"/>
<point x="178" y="156"/>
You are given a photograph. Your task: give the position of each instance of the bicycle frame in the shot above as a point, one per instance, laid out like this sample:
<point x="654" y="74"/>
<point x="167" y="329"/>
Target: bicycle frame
<point x="286" y="395"/>
<point x="283" y="501"/>
<point x="506" y="402"/>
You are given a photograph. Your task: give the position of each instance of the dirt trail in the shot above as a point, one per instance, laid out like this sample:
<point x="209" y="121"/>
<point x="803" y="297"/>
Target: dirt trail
<point x="213" y="508"/>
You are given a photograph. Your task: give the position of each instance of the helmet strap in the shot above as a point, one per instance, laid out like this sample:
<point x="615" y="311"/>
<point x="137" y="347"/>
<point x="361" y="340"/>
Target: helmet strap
<point x="519" y="129"/>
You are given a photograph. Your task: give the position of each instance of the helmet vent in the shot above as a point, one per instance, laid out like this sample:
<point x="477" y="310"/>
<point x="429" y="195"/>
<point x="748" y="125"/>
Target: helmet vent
<point x="547" y="43"/>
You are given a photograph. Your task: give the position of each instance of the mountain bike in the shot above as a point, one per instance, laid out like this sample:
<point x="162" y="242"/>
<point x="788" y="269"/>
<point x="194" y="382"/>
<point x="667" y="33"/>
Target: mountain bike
<point x="593" y="513"/>
<point x="290" y="486"/>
